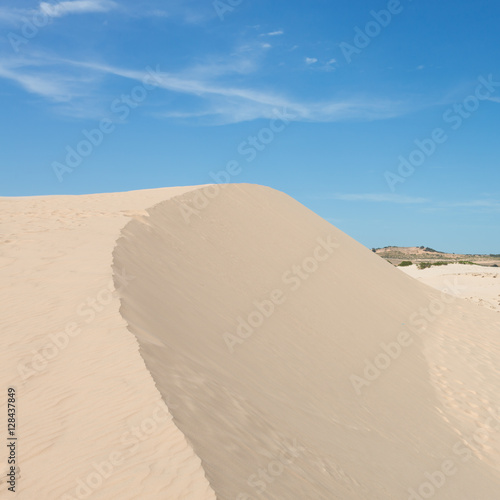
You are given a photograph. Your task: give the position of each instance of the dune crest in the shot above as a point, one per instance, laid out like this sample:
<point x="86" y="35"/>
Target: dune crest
<point x="299" y="364"/>
<point x="91" y="423"/>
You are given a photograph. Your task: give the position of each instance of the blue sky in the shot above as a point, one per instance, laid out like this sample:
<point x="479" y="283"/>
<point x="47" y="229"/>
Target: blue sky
<point x="381" y="116"/>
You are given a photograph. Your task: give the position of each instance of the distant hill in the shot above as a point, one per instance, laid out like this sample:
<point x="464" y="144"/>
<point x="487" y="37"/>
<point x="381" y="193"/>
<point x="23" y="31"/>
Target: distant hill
<point x="419" y="254"/>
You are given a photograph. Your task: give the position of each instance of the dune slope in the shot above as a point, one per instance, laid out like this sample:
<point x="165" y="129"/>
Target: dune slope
<point x="90" y="421"/>
<point x="298" y="364"/>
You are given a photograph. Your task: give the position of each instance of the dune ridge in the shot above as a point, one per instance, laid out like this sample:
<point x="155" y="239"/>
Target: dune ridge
<point x="91" y="423"/>
<point x="298" y="364"/>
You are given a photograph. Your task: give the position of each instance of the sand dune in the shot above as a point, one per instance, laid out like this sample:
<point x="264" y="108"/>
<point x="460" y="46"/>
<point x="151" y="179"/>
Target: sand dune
<point x="245" y="348"/>
<point x="91" y="423"/>
<point x="268" y="328"/>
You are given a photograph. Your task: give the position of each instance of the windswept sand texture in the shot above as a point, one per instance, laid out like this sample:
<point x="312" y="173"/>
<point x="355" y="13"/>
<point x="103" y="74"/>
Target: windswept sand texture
<point x="295" y="363"/>
<point x="90" y="400"/>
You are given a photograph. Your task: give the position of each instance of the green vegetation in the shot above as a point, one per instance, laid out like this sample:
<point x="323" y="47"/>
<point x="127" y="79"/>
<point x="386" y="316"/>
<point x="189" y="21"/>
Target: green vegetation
<point x="406" y="263"/>
<point x="425" y="265"/>
<point x="428" y="249"/>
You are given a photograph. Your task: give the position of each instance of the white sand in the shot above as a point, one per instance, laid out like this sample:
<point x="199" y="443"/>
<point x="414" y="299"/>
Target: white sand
<point x="91" y="400"/>
<point x="275" y="412"/>
<point x="479" y="284"/>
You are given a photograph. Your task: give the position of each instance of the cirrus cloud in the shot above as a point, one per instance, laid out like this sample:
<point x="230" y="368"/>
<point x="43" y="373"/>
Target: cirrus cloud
<point x="64" y="8"/>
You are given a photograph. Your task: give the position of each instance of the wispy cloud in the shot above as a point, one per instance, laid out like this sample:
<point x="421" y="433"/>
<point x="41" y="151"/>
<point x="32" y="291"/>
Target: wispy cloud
<point x="330" y="65"/>
<point x="488" y="204"/>
<point x="379" y="198"/>
<point x="190" y="12"/>
<point x="311" y="60"/>
<point x="65" y="8"/>
<point x="36" y="84"/>
<point x="213" y="91"/>
<point x="233" y="104"/>
<point x="275" y="33"/>
<point x="484" y="205"/>
<point x="159" y="13"/>
<point x="44" y="80"/>
<point x="15" y="15"/>
<point x="11" y="15"/>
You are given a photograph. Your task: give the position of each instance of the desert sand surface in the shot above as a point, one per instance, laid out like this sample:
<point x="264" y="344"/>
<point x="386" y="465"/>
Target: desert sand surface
<point x="290" y="361"/>
<point x="90" y="421"/>
<point x="479" y="284"/>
